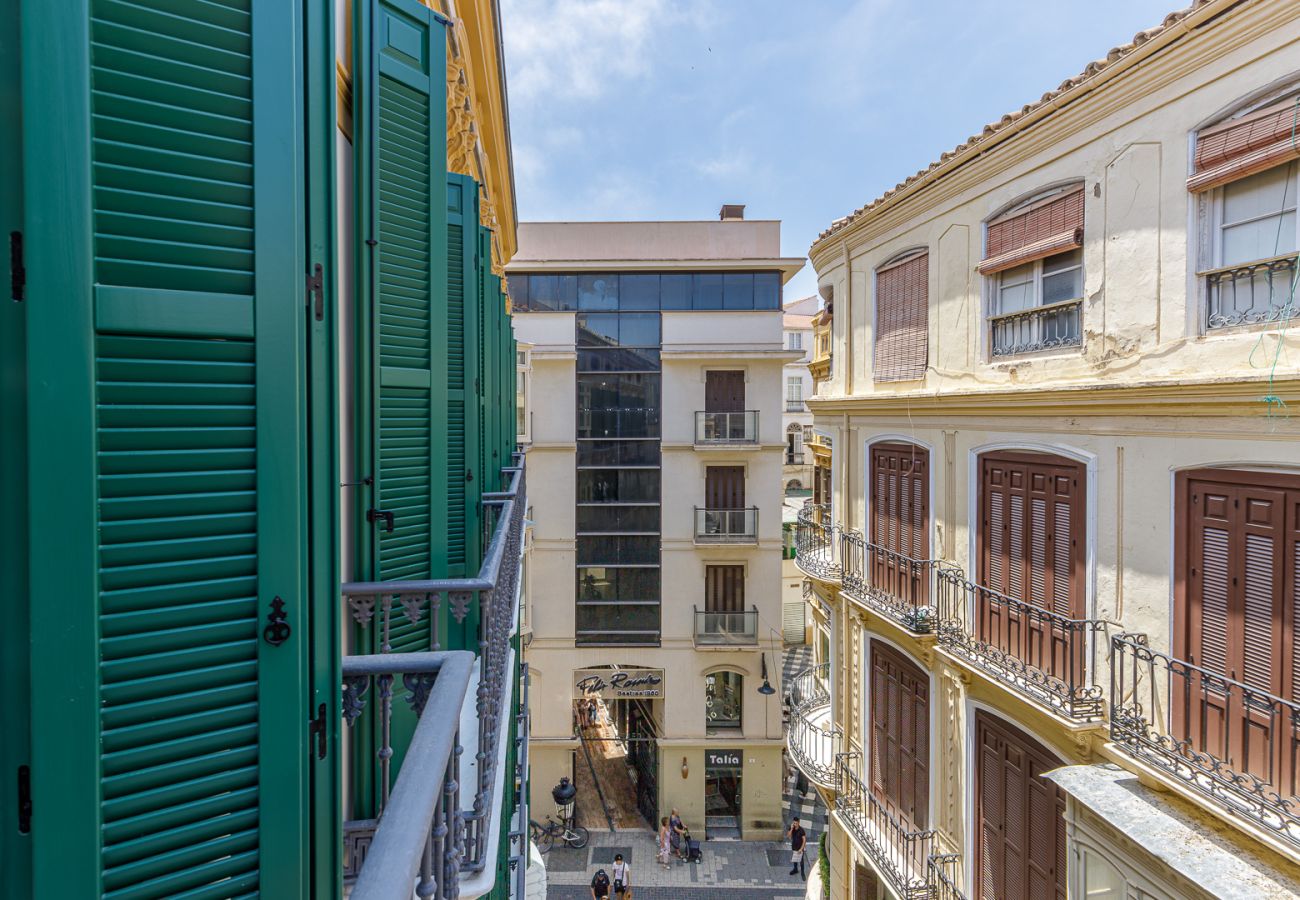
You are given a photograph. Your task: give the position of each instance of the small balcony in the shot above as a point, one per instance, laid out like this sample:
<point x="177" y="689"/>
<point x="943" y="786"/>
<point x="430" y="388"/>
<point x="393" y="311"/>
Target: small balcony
<point x="944" y="875"/>
<point x="794" y="459"/>
<point x="795" y="406"/>
<point x="1234" y="744"/>
<point x="726" y="429"/>
<point x="900" y="854"/>
<point x="1054" y="326"/>
<point x="811" y="738"/>
<point x="1250" y="294"/>
<point x="726" y="629"/>
<point x="726" y="526"/>
<point x="1047" y="658"/>
<point x="815" y="543"/>
<point x="895" y="586"/>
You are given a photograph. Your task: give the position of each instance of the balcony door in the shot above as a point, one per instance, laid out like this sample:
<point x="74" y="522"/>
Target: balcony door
<point x="1032" y="548"/>
<point x="900" y="736"/>
<point x="1237" y="594"/>
<point x="1020" y="836"/>
<point x="724" y="592"/>
<point x="724" y="487"/>
<point x="724" y="391"/>
<point x="900" y="518"/>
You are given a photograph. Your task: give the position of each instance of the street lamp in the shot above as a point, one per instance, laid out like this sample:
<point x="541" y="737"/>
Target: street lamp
<point x="766" y="688"/>
<point x="563" y="794"/>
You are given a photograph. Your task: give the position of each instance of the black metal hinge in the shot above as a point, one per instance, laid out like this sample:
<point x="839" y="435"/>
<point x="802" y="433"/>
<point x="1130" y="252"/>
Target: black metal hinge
<point x="316" y="728"/>
<point x="374" y="515"/>
<point x="17" y="269"/>
<point x="24" y="799"/>
<point x="316" y="291"/>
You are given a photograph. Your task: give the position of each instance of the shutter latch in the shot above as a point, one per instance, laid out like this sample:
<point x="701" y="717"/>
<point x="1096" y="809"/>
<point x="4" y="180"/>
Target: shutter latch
<point x="17" y="271"/>
<point x="316" y="291"/>
<point x="277" y="628"/>
<point x="374" y="515"/>
<point x="316" y="728"/>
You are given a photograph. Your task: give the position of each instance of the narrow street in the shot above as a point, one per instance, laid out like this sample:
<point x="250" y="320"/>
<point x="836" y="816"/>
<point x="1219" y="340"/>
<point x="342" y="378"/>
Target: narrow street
<point x="604" y="751"/>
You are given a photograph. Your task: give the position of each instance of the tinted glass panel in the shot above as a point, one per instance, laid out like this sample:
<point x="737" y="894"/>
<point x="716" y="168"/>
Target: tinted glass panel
<point x="675" y="291"/>
<point x="738" y="290"/>
<point x="609" y="518"/>
<point x="614" y="624"/>
<point x="597" y="292"/>
<point x="616" y="423"/>
<point x="517" y="285"/>
<point x="708" y="292"/>
<point x="638" y="292"/>
<point x="767" y="290"/>
<point x="606" y="583"/>
<point x="618" y="485"/>
<point x="618" y="453"/>
<point x="618" y="550"/>
<point x="618" y="360"/>
<point x="638" y="330"/>
<point x="598" y="330"/>
<point x="553" y="292"/>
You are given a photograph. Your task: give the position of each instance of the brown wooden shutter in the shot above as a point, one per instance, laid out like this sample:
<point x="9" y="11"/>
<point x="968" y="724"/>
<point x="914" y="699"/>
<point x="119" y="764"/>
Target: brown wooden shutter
<point x="902" y="319"/>
<point x="900" y="735"/>
<point x="724" y="487"/>
<point x="1246" y="145"/>
<point x="900" y="519"/>
<point x="1050" y="226"/>
<point x="724" y="589"/>
<point x="1020" y="851"/>
<point x="724" y="391"/>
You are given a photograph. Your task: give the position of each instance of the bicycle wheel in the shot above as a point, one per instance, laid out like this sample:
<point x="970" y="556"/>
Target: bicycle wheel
<point x="542" y="837"/>
<point x="577" y="837"/>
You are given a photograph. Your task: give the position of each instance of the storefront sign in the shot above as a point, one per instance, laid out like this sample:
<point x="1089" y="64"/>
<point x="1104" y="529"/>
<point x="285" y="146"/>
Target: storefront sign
<point x="722" y="759"/>
<point x="611" y="684"/>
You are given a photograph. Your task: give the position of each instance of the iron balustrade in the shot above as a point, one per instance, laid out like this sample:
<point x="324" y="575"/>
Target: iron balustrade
<point x="726" y="526"/>
<point x="417" y="837"/>
<point x="494" y="594"/>
<point x="815" y="542"/>
<point x="1047" y="657"/>
<point x="794" y="406"/>
<point x="726" y="629"/>
<point x="1251" y="294"/>
<point x="943" y="875"/>
<point x="900" y="854"/>
<point x="1233" y="743"/>
<point x="1048" y="327"/>
<point x="895" y="585"/>
<point x="813" y="747"/>
<point x="739" y="427"/>
<point x="794" y="459"/>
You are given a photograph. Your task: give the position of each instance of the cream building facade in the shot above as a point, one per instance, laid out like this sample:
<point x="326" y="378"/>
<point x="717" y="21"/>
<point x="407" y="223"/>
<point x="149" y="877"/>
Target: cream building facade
<point x="655" y="361"/>
<point x="1056" y="581"/>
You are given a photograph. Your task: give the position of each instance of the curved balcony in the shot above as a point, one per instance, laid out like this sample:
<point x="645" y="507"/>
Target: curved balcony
<point x="812" y="739"/>
<point x="899" y="852"/>
<point x="814" y="549"/>
<point x="896" y="586"/>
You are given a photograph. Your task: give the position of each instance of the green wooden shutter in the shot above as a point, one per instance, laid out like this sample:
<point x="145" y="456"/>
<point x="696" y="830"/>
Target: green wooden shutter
<point x="464" y="470"/>
<point x="401" y="150"/>
<point x="166" y="397"/>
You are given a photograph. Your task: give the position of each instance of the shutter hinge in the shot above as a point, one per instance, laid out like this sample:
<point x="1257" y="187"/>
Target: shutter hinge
<point x="316" y="291"/>
<point x="24" y="799"/>
<point x="316" y="728"/>
<point x="17" y="270"/>
<point x="374" y="515"/>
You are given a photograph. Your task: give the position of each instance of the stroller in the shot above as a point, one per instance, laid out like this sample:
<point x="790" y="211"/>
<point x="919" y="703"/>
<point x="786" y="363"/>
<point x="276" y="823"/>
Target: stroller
<point x="693" y="853"/>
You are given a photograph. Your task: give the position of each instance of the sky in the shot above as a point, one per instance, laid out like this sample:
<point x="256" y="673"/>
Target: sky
<point x="666" y="109"/>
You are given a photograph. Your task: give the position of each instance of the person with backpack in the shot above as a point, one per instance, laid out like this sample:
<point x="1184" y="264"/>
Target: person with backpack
<point x="622" y="877"/>
<point x="798" y="840"/>
<point x="600" y="886"/>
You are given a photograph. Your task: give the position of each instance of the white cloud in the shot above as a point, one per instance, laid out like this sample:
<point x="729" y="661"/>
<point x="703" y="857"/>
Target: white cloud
<point x="578" y="49"/>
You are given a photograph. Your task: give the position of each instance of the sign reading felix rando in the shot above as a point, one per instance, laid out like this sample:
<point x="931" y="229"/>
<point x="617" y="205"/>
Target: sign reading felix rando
<point x="611" y="684"/>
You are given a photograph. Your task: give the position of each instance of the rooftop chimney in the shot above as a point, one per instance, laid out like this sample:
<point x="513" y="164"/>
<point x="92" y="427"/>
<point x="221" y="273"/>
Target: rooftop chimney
<point x="732" y="212"/>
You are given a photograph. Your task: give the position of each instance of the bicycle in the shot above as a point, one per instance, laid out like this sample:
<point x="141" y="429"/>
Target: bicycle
<point x="545" y="835"/>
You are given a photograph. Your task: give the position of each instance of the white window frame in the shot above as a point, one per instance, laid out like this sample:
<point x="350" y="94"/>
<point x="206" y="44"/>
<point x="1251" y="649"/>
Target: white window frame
<point x="796" y="340"/>
<point x="994" y="288"/>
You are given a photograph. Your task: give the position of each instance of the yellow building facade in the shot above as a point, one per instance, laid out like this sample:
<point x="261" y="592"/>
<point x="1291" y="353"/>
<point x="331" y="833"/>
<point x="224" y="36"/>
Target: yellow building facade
<point x="1056" y="580"/>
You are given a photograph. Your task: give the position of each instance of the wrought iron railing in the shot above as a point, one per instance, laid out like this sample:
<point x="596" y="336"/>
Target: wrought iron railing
<point x="895" y="585"/>
<point x="813" y="746"/>
<point x="815" y="550"/>
<point x="417" y="837"/>
<point x="726" y="629"/>
<point x="901" y="854"/>
<point x="493" y="594"/>
<point x="794" y="459"/>
<point x="1251" y="294"/>
<point x="1047" y="657"/>
<point x="1048" y="327"/>
<point x="1237" y="745"/>
<point x="739" y="427"/>
<point x="794" y="406"/>
<point x="943" y="874"/>
<point x="726" y="526"/>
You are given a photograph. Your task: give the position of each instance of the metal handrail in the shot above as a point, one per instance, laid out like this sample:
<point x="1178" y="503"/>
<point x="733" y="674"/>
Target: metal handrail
<point x="418" y="833"/>
<point x="1268" y="286"/>
<point x="721" y="526"/>
<point x="729" y="427"/>
<point x="812" y="747"/>
<point x="942" y="874"/>
<point x="900" y="854"/>
<point x="897" y="586"/>
<point x="1025" y="330"/>
<point x="1161" y="710"/>
<point x="1050" y="658"/>
<point x="815" y="543"/>
<point x="726" y="629"/>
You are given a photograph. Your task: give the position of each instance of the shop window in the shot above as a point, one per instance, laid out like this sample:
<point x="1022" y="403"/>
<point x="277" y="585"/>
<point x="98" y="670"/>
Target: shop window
<point x="723" y="699"/>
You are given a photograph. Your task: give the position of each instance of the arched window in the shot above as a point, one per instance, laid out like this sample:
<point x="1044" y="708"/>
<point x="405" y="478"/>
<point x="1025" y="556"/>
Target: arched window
<point x="794" y="484"/>
<point x="724" y="694"/>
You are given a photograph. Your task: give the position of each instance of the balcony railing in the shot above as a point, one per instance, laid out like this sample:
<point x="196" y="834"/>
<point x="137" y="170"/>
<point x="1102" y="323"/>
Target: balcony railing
<point x="1237" y="745"/>
<point x="400" y="605"/>
<point x="726" y="526"/>
<point x="896" y="586"/>
<point x="726" y="427"/>
<point x="1048" y="327"/>
<point x="815" y="550"/>
<point x="899" y="853"/>
<point x="1045" y="656"/>
<point x="812" y="740"/>
<point x="794" y="459"/>
<point x="1251" y="294"/>
<point x="726" y="629"/>
<point x="943" y="874"/>
<point x="794" y="406"/>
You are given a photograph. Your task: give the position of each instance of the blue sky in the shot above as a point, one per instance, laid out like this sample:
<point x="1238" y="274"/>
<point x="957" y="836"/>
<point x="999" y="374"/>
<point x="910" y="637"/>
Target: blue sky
<point x="666" y="109"/>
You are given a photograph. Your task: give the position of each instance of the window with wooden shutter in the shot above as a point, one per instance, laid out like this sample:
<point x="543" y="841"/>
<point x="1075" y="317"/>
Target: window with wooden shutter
<point x="1034" y="230"/>
<point x="900" y="735"/>
<point x="724" y="390"/>
<point x="462" y="431"/>
<point x="724" y="487"/>
<point x="1019" y="816"/>
<point x="724" y="589"/>
<point x="902" y="318"/>
<point x="1252" y="142"/>
<point x="1237" y="597"/>
<point x="900" y="519"/>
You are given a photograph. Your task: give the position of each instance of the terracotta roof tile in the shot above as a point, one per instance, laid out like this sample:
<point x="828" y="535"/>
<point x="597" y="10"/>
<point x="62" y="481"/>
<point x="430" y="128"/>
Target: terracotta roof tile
<point x="994" y="128"/>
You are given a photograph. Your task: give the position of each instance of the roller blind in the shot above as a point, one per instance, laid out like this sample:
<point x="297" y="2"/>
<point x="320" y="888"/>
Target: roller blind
<point x="1245" y="145"/>
<point x="1050" y="226"/>
<point x="902" y="293"/>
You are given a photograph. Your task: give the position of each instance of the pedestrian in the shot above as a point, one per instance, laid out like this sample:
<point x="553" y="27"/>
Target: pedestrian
<point x="664" y="842"/>
<point x="798" y="840"/>
<point x="677" y="835"/>
<point x="622" y="877"/>
<point x="600" y="886"/>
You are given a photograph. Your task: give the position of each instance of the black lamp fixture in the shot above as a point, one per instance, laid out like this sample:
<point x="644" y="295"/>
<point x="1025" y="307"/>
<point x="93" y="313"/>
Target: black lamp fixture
<point x="766" y="688"/>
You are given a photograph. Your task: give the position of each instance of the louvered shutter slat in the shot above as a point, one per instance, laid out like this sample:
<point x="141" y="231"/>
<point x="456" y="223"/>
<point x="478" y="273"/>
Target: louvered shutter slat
<point x="1245" y="146"/>
<point x="902" y="320"/>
